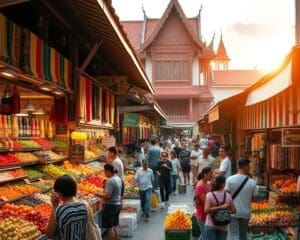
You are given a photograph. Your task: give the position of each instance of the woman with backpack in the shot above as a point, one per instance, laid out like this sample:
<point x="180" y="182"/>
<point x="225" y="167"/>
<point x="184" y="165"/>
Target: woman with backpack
<point x="219" y="207"/>
<point x="202" y="188"/>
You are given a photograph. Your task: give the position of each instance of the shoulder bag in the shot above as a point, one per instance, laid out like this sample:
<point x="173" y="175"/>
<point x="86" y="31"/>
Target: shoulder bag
<point x="223" y="216"/>
<point x="92" y="230"/>
<point x="240" y="188"/>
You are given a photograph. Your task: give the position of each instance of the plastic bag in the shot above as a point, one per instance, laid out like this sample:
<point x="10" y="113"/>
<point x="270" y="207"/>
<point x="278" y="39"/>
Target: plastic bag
<point x="154" y="201"/>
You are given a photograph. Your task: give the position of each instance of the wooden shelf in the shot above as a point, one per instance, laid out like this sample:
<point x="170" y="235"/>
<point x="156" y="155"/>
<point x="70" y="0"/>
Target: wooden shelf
<point x="12" y="180"/>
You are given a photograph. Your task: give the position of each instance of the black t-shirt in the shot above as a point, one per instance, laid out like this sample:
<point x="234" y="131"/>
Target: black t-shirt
<point x="184" y="158"/>
<point x="177" y="150"/>
<point x="165" y="173"/>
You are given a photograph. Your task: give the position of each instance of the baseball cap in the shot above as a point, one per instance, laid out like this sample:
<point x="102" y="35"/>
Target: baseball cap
<point x="243" y="162"/>
<point x="119" y="149"/>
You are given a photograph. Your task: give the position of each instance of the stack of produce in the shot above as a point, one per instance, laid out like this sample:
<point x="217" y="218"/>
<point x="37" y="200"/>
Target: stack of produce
<point x="96" y="181"/>
<point x="44" y="143"/>
<point x="8" y="160"/>
<point x="30" y="144"/>
<point x="128" y="179"/>
<point x="286" y="185"/>
<point x="59" y="143"/>
<point x="43" y="197"/>
<point x="131" y="192"/>
<point x="44" y="209"/>
<point x="265" y="207"/>
<point x="71" y="173"/>
<point x="19" y="210"/>
<point x="16" y="145"/>
<point x="30" y="201"/>
<point x="18" y="229"/>
<point x="273" y="218"/>
<point x="278" y="235"/>
<point x="24" y="189"/>
<point x="8" y="193"/>
<point x="52" y="155"/>
<point x="18" y="173"/>
<point x="5" y="176"/>
<point x="41" y="185"/>
<point x="89" y="155"/>
<point x="53" y="171"/>
<point x="79" y="169"/>
<point x="97" y="149"/>
<point x="33" y="174"/>
<point x="86" y="187"/>
<point x="26" y="157"/>
<point x="178" y="220"/>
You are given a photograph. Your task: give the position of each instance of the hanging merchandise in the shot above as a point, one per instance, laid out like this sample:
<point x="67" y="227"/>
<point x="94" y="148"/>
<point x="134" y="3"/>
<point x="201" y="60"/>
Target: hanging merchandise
<point x="16" y="100"/>
<point x="10" y="41"/>
<point x="60" y="106"/>
<point x="95" y="101"/>
<point x="7" y="103"/>
<point x="88" y="95"/>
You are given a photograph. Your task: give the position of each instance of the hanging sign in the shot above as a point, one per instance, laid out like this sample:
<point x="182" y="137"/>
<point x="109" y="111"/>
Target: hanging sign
<point x="77" y="153"/>
<point x="131" y="120"/>
<point x="291" y="137"/>
<point x="117" y="84"/>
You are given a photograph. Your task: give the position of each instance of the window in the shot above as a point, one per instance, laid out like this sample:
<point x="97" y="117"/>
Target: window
<point x="172" y="70"/>
<point x="177" y="107"/>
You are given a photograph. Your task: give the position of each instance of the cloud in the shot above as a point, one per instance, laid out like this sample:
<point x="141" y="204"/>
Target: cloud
<point x="250" y="29"/>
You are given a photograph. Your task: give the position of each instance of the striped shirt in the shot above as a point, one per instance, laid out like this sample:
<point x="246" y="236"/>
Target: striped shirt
<point x="71" y="221"/>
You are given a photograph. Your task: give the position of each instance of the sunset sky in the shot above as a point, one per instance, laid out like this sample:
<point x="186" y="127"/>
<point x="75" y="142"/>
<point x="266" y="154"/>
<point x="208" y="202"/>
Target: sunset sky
<point x="255" y="32"/>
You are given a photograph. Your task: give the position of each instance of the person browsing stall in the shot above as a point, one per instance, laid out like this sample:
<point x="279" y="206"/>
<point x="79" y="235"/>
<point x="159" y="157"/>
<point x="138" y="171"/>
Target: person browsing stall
<point x="116" y="162"/>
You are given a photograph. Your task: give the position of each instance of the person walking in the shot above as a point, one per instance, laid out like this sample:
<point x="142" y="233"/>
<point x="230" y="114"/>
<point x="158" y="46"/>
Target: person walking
<point x="153" y="159"/>
<point x="72" y="214"/>
<point x="174" y="172"/>
<point x="112" y="201"/>
<point x="243" y="190"/>
<point x="116" y="162"/>
<point x="144" y="177"/>
<point x="164" y="169"/>
<point x="195" y="155"/>
<point x="225" y="166"/>
<point x="177" y="148"/>
<point x="202" y="188"/>
<point x="205" y="160"/>
<point x="185" y="165"/>
<point x="212" y="205"/>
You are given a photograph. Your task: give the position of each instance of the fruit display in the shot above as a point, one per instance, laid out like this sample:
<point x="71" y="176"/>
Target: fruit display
<point x="33" y="174"/>
<point x="26" y="157"/>
<point x="274" y="218"/>
<point x="19" y="210"/>
<point x="38" y="220"/>
<point x="178" y="220"/>
<point x="97" y="149"/>
<point x="52" y="155"/>
<point x="76" y="135"/>
<point x="41" y="185"/>
<point x="18" y="173"/>
<point x="96" y="181"/>
<point x="30" y="201"/>
<point x="56" y="171"/>
<point x="8" y="193"/>
<point x="5" y="176"/>
<point x="131" y="192"/>
<point x="59" y="143"/>
<point x="128" y="179"/>
<point x="83" y="186"/>
<point x="24" y="189"/>
<point x="28" y="144"/>
<point x="16" y="145"/>
<point x="286" y="185"/>
<point x="265" y="207"/>
<point x="43" y="197"/>
<point x="44" y="209"/>
<point x="44" y="143"/>
<point x="8" y="160"/>
<point x="79" y="169"/>
<point x="18" y="229"/>
<point x="89" y="155"/>
<point x="278" y="235"/>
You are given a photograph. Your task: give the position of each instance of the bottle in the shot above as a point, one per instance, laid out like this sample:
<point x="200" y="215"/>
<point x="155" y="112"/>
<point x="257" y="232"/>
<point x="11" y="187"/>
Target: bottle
<point x="20" y="123"/>
<point x="27" y="127"/>
<point x="50" y="130"/>
<point x="8" y="125"/>
<point x="32" y="128"/>
<point x="14" y="126"/>
<point x="41" y="130"/>
<point x="37" y="128"/>
<point x="4" y="125"/>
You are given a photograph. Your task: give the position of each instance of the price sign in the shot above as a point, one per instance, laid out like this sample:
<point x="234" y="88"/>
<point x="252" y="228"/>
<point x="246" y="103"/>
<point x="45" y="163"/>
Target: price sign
<point x="109" y="142"/>
<point x="77" y="153"/>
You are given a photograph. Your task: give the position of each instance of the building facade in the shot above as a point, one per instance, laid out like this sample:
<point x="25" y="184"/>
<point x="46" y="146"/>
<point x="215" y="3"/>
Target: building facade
<point x="177" y="62"/>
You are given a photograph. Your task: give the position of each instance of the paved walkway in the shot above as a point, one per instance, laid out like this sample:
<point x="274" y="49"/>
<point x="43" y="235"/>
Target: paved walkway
<point x="154" y="228"/>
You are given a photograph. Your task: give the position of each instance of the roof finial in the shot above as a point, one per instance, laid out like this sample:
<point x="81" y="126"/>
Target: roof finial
<point x="200" y="22"/>
<point x="211" y="45"/>
<point x="221" y="33"/>
<point x="200" y="10"/>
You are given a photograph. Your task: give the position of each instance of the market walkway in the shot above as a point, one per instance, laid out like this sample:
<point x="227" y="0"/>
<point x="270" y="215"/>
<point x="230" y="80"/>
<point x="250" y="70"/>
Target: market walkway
<point x="153" y="229"/>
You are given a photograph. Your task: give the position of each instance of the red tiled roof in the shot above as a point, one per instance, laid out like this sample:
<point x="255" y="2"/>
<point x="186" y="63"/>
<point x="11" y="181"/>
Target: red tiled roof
<point x="221" y="52"/>
<point x="134" y="29"/>
<point x="236" y="77"/>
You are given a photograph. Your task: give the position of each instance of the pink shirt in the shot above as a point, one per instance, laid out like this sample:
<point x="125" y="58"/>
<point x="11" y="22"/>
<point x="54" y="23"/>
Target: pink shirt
<point x="220" y="197"/>
<point x="201" y="189"/>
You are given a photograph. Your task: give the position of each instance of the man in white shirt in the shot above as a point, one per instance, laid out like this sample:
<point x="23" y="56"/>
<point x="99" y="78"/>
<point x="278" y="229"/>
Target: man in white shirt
<point x="205" y="160"/>
<point x="242" y="200"/>
<point x="225" y="166"/>
<point x="116" y="162"/>
<point x="195" y="155"/>
<point x="144" y="177"/>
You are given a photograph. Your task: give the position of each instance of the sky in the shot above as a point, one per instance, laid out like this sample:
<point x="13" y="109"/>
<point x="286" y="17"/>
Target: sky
<point x="256" y="33"/>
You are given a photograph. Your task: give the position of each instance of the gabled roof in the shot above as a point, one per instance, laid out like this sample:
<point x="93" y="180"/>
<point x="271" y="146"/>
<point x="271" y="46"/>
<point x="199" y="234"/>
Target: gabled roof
<point x="134" y="29"/>
<point x="221" y="52"/>
<point x="235" y="78"/>
<point x="175" y="4"/>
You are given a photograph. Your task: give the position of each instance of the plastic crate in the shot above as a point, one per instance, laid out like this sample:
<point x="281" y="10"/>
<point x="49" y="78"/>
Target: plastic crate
<point x="177" y="234"/>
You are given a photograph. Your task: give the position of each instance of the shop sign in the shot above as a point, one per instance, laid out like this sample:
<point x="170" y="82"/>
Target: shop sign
<point x="77" y="153"/>
<point x="109" y="142"/>
<point x="163" y="122"/>
<point x="61" y="129"/>
<point x="291" y="137"/>
<point x="213" y="115"/>
<point x="116" y="84"/>
<point x="131" y="120"/>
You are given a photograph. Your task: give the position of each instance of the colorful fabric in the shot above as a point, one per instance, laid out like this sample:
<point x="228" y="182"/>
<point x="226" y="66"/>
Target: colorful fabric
<point x="10" y="41"/>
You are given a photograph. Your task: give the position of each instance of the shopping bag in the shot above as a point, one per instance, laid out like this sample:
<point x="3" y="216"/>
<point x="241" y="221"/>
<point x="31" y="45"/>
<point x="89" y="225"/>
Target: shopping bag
<point x="154" y="201"/>
<point x="92" y="231"/>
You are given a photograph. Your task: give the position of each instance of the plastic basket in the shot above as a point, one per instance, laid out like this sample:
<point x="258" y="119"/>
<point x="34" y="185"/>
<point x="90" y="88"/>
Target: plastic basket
<point x="177" y="234"/>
